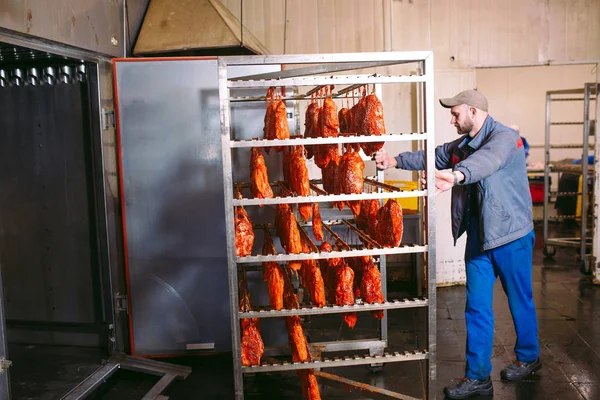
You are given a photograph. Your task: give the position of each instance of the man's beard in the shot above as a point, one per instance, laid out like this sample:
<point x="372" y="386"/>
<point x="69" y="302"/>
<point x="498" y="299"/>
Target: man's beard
<point x="465" y="128"/>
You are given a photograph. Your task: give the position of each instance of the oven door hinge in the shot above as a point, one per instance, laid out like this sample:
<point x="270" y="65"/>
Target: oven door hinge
<point x="120" y="302"/>
<point x="108" y="118"/>
<point x="112" y="339"/>
<point x="4" y="364"/>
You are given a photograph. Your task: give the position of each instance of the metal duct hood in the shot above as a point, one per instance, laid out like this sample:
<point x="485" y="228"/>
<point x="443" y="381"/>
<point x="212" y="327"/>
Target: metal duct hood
<point x="194" y="27"/>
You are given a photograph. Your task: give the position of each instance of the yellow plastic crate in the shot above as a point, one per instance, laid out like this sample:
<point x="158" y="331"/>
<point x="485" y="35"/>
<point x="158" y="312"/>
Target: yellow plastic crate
<point x="407" y="203"/>
<point x="579" y="199"/>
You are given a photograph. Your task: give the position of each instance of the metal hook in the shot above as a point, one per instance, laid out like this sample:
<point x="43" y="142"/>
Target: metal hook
<point x="65" y="74"/>
<point x="33" y="76"/>
<point x="49" y="76"/>
<point x="4" y="79"/>
<point x="81" y="73"/>
<point x="16" y="77"/>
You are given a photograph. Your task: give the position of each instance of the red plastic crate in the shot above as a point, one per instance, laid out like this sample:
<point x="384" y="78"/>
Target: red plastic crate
<point x="537" y="192"/>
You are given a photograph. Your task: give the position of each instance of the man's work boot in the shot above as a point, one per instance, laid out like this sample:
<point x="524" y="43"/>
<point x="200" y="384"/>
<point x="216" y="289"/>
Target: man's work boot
<point x="470" y="387"/>
<point x="519" y="370"/>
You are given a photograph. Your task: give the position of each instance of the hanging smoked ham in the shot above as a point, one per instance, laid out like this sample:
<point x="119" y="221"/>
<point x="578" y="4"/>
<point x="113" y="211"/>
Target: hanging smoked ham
<point x="351" y="170"/>
<point x="350" y="176"/>
<point x="373" y="222"/>
<point x="356" y="263"/>
<point x="259" y="180"/>
<point x="270" y="122"/>
<point x="344" y="291"/>
<point x="312" y="280"/>
<point x="372" y="124"/>
<point x="244" y="234"/>
<point x="300" y="353"/>
<point x="282" y="130"/>
<point x="317" y="224"/>
<point x="298" y="343"/>
<point x="299" y="346"/>
<point x="368" y="210"/>
<point x="272" y="274"/>
<point x="297" y="177"/>
<point x="339" y="283"/>
<point x="276" y="124"/>
<point x="310" y="386"/>
<point x="287" y="230"/>
<point x="290" y="300"/>
<point x="328" y="268"/>
<point x="331" y="178"/>
<point x="345" y="119"/>
<point x="252" y="346"/>
<point x="357" y="116"/>
<point x="311" y="124"/>
<point x="370" y="286"/>
<point x="388" y="231"/>
<point x="329" y="124"/>
<point x="324" y="267"/>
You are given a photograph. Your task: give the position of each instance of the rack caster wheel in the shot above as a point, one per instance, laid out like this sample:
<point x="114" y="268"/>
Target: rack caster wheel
<point x="549" y="251"/>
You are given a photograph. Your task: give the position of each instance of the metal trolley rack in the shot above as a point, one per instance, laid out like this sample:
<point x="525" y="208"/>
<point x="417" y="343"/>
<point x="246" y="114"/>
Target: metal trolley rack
<point x="584" y="240"/>
<point x="325" y="70"/>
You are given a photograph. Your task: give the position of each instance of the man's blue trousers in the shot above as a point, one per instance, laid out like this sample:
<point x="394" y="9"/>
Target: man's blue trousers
<point x="511" y="262"/>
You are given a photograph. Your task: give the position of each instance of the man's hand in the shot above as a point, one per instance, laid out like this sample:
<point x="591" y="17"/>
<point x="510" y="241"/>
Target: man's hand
<point x="384" y="161"/>
<point x="444" y="180"/>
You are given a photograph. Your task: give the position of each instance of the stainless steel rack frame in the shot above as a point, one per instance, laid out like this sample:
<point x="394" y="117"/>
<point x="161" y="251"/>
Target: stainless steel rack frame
<point x="596" y="235"/>
<point x="327" y="69"/>
<point x="584" y="241"/>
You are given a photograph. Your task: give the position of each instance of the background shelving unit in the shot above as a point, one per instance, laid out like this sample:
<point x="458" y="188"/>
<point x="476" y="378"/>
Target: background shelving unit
<point x="328" y="69"/>
<point x="583" y="242"/>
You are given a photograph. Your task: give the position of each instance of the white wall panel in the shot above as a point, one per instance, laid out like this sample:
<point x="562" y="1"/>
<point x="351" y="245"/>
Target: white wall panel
<point x="517" y="96"/>
<point x="450" y="258"/>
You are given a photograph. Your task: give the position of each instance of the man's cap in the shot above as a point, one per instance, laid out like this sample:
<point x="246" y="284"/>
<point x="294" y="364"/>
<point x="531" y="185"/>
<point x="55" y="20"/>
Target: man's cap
<point x="471" y="98"/>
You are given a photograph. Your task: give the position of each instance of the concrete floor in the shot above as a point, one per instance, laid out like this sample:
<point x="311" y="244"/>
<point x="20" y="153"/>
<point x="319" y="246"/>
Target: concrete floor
<point x="49" y="372"/>
<point x="568" y="307"/>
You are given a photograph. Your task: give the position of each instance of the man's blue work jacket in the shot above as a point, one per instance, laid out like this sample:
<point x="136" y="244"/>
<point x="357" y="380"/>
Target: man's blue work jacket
<point x="493" y="163"/>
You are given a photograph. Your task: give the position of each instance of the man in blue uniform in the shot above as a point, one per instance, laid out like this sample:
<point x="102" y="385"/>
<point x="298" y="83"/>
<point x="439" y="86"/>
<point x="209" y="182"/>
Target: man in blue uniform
<point x="491" y="202"/>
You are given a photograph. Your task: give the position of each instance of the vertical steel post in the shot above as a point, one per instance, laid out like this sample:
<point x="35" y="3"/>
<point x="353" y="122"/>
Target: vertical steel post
<point x="584" y="177"/>
<point x="596" y="225"/>
<point x="382" y="259"/>
<point x="547" y="168"/>
<point x="431" y="266"/>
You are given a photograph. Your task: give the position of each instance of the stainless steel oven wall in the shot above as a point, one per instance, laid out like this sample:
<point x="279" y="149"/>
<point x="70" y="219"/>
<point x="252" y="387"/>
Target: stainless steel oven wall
<point x="95" y="25"/>
<point x="173" y="193"/>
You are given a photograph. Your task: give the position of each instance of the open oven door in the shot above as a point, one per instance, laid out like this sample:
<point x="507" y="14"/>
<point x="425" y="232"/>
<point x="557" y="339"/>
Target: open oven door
<point x="170" y="166"/>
